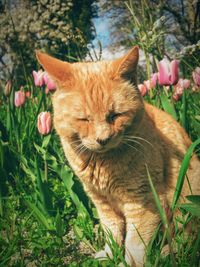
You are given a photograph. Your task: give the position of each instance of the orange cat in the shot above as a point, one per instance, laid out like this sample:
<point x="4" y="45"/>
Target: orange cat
<point x="108" y="134"/>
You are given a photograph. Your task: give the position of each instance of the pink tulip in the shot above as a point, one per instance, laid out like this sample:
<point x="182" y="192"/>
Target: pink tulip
<point x="142" y="88"/>
<point x="47" y="80"/>
<point x="44" y="122"/>
<point x="19" y="98"/>
<point x="38" y="78"/>
<point x="152" y="82"/>
<point x="179" y="88"/>
<point x="196" y="76"/>
<point x="184" y="83"/>
<point x="168" y="72"/>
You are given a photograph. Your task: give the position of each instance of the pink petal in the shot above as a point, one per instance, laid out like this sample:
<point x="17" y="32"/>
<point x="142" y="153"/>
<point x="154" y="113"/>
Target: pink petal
<point x="44" y="122"/>
<point x="39" y="125"/>
<point x="48" y="124"/>
<point x="45" y="77"/>
<point x="196" y="76"/>
<point x="174" y="71"/>
<point x="20" y="98"/>
<point x="51" y="85"/>
<point x="48" y="81"/>
<point x="147" y="84"/>
<point x="38" y="78"/>
<point x="154" y="79"/>
<point x="186" y="83"/>
<point x="142" y="88"/>
<point x="164" y="75"/>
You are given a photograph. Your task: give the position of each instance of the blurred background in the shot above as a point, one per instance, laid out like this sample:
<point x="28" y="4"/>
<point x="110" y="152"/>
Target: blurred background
<point x="78" y="29"/>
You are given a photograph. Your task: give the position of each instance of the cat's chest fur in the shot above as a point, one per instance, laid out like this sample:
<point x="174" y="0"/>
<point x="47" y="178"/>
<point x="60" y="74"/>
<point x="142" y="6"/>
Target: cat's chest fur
<point x="117" y="176"/>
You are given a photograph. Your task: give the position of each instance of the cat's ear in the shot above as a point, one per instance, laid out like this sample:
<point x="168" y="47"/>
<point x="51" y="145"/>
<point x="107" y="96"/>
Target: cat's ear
<point x="126" y="66"/>
<point x="58" y="70"/>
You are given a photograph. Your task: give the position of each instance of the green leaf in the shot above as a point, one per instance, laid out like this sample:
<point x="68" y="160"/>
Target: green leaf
<point x="182" y="172"/>
<point x="59" y="225"/>
<point x="192" y="208"/>
<point x="45" y="195"/>
<point x="67" y="177"/>
<point x="39" y="215"/>
<point x="156" y="198"/>
<point x="40" y="149"/>
<point x="78" y="231"/>
<point x="196" y="125"/>
<point x="194" y="199"/>
<point x="183" y="111"/>
<point x="168" y="105"/>
<point x="46" y="141"/>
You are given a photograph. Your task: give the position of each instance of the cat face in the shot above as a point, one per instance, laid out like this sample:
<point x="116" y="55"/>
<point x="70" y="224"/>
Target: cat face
<point x="96" y="105"/>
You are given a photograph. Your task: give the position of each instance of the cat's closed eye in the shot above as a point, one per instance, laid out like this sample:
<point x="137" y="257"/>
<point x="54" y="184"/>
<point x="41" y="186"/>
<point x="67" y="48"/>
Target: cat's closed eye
<point x="112" y="117"/>
<point x="86" y="119"/>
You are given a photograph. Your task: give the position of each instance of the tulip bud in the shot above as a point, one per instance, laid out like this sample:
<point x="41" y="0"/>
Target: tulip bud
<point x="38" y="78"/>
<point x="19" y="98"/>
<point x="168" y="72"/>
<point x="180" y="87"/>
<point x="48" y="81"/>
<point x="7" y="88"/>
<point x="196" y="76"/>
<point x="44" y="122"/>
<point x="142" y="88"/>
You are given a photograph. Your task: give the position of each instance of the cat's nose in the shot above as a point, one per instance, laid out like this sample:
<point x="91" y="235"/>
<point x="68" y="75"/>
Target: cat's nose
<point x="104" y="141"/>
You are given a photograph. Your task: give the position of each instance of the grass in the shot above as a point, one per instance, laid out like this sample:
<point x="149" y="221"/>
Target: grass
<point x="45" y="217"/>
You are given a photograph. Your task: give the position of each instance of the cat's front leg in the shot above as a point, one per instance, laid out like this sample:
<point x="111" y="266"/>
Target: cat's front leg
<point x="112" y="222"/>
<point x="134" y="247"/>
<point x="140" y="226"/>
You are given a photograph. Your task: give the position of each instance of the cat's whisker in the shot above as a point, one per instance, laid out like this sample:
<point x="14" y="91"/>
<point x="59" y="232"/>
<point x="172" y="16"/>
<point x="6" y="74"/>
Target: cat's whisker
<point x="134" y="141"/>
<point x="140" y="138"/>
<point x="75" y="142"/>
<point x="139" y="151"/>
<point x="80" y="149"/>
<point x="130" y="146"/>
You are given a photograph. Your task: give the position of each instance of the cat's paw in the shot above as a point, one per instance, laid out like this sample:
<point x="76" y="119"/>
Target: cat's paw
<point x="102" y="254"/>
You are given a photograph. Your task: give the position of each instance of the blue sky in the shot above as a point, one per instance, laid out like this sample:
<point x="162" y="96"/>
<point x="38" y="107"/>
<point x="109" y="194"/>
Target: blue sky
<point x="102" y="25"/>
<point x="102" y="29"/>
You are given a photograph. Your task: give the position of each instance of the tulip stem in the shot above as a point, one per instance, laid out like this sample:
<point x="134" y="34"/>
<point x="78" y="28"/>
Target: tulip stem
<point x="45" y="168"/>
<point x="148" y="66"/>
<point x="38" y="110"/>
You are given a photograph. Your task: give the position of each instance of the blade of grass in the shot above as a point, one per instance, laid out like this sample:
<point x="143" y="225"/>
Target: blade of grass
<point x="182" y="172"/>
<point x="36" y="115"/>
<point x="183" y="113"/>
<point x="38" y="215"/>
<point x="162" y="215"/>
<point x="168" y="105"/>
<point x="195" y="250"/>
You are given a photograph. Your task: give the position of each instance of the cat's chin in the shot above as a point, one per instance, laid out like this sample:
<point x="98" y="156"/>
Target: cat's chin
<point x="105" y="149"/>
